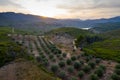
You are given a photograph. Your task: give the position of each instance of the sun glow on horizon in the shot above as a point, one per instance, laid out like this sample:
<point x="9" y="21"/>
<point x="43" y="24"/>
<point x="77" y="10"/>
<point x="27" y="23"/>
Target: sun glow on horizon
<point x="60" y="9"/>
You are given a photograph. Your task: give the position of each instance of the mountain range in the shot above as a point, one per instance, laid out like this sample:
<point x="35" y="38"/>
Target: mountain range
<point x="25" y="21"/>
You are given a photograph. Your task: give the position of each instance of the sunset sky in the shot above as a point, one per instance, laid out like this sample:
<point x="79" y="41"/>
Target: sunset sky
<point x="82" y="9"/>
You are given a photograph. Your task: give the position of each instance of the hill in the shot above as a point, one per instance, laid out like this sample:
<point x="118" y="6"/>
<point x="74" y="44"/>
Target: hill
<point x="66" y="36"/>
<point x="34" y="23"/>
<point x="74" y="32"/>
<point x="27" y="22"/>
<point x="105" y="27"/>
<point x="15" y="63"/>
<point x="108" y="48"/>
<point x="21" y="69"/>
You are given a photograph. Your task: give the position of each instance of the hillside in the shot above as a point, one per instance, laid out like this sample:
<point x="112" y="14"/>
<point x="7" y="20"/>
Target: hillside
<point x="34" y="23"/>
<point x="112" y="34"/>
<point x="28" y="22"/>
<point x="66" y="36"/>
<point x="21" y="69"/>
<point x="64" y="65"/>
<point x="105" y="27"/>
<point x="8" y="46"/>
<point x="108" y="48"/>
<point x="74" y="32"/>
<point x="15" y="63"/>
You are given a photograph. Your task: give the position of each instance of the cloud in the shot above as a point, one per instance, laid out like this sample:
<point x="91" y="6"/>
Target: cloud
<point x="77" y="5"/>
<point x="9" y="3"/>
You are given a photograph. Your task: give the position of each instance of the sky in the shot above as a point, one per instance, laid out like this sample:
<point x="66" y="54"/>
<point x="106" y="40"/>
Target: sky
<point x="80" y="9"/>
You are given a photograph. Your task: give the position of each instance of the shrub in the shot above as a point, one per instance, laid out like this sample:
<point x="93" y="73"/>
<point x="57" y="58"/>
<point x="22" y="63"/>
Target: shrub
<point x="45" y="63"/>
<point x="93" y="77"/>
<point x="54" y="68"/>
<point x="91" y="64"/>
<point x="117" y="66"/>
<point x="54" y="60"/>
<point x="98" y="60"/>
<point x="64" y="54"/>
<point x="73" y="78"/>
<point x="51" y="56"/>
<point x="62" y="74"/>
<point x="38" y="58"/>
<point x="77" y="65"/>
<point x="86" y="68"/>
<point x="62" y="64"/>
<point x="70" y="69"/>
<point x="80" y="74"/>
<point x="58" y="55"/>
<point x="99" y="72"/>
<point x="78" y="56"/>
<point x="43" y="56"/>
<point x="115" y="77"/>
<point x="73" y="58"/>
<point x="61" y="58"/>
<point x="81" y="62"/>
<point x="87" y="58"/>
<point x="69" y="61"/>
<point x="117" y="71"/>
<point x="103" y="67"/>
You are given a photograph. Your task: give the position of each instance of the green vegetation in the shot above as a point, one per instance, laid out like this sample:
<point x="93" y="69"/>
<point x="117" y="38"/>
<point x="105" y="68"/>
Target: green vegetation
<point x="9" y="50"/>
<point x="104" y="27"/>
<point x="80" y="74"/>
<point x="62" y="64"/>
<point x="74" y="32"/>
<point x="94" y="77"/>
<point x="86" y="68"/>
<point x="54" y="68"/>
<point x="108" y="49"/>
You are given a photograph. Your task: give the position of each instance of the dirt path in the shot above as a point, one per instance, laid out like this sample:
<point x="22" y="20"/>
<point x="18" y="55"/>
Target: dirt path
<point x="35" y="51"/>
<point x="8" y="72"/>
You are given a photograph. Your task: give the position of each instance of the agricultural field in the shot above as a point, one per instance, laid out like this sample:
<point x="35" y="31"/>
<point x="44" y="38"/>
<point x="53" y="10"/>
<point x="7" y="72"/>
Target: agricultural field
<point x="67" y="67"/>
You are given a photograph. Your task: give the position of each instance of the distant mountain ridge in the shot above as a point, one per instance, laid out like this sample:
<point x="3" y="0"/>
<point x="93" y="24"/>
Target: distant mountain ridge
<point x="19" y="20"/>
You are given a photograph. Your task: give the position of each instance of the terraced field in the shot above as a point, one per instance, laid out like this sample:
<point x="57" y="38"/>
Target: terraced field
<point x="67" y="67"/>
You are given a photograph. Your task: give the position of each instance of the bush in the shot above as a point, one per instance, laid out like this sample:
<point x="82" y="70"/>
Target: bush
<point x="78" y="56"/>
<point x="87" y="58"/>
<point x="115" y="77"/>
<point x="61" y="58"/>
<point x="91" y="64"/>
<point x="117" y="71"/>
<point x="77" y="65"/>
<point x="98" y="60"/>
<point x="93" y="77"/>
<point x="70" y="69"/>
<point x="62" y="64"/>
<point x="103" y="67"/>
<point x="99" y="72"/>
<point x="45" y="63"/>
<point x="54" y="60"/>
<point x="86" y="68"/>
<point x="73" y="78"/>
<point x="80" y="74"/>
<point x="73" y="58"/>
<point x="51" y="56"/>
<point x="117" y="66"/>
<point x="64" y="54"/>
<point x="62" y="75"/>
<point x="81" y="62"/>
<point x="43" y="56"/>
<point x="54" y="68"/>
<point x="58" y="55"/>
<point x="69" y="61"/>
<point x="38" y="58"/>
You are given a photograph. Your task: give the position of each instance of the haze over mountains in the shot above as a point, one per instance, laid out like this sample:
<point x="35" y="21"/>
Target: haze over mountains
<point x="19" y="20"/>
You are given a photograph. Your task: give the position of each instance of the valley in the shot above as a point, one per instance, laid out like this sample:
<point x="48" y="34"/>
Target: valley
<point x="41" y="48"/>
